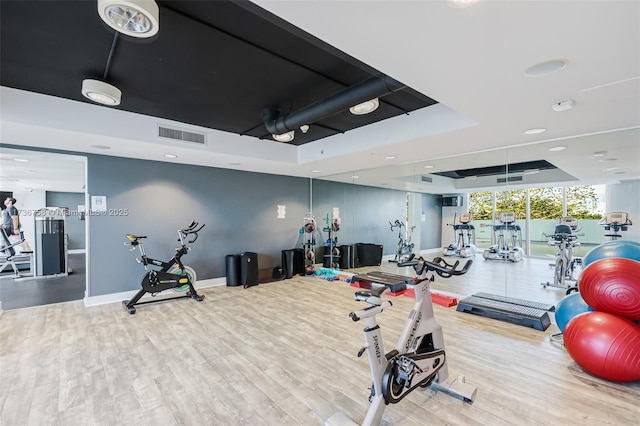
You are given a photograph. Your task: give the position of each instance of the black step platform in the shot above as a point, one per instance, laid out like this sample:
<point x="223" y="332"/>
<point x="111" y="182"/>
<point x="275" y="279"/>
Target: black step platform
<point x="521" y="302"/>
<point x="502" y="310"/>
<point x="396" y="283"/>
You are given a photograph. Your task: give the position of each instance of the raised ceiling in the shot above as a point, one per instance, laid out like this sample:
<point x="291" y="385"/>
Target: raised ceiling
<point x="214" y="64"/>
<point x="471" y="61"/>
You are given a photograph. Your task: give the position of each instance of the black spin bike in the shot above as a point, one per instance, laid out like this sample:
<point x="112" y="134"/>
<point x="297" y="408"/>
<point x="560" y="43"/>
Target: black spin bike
<point x="172" y="275"/>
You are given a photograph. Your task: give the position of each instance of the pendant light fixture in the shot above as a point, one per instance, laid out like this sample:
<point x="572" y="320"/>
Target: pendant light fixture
<point x="135" y="18"/>
<point x="101" y="92"/>
<point x="97" y="90"/>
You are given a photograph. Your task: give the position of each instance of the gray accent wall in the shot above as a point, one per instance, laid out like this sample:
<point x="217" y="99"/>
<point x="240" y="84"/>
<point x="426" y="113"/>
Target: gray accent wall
<point x="366" y="212"/>
<point x="74" y="227"/>
<point x="157" y="198"/>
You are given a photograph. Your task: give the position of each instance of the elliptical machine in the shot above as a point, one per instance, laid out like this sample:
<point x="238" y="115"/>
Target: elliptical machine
<point x="172" y="275"/>
<point x="404" y="252"/>
<point x="564" y="237"/>
<point x="613" y="223"/>
<point x="465" y="244"/>
<point x="506" y="232"/>
<point x="418" y="360"/>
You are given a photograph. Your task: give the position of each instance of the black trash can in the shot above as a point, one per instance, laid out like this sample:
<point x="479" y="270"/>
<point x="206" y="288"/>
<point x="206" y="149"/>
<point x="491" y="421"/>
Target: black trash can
<point x="249" y="272"/>
<point x="232" y="263"/>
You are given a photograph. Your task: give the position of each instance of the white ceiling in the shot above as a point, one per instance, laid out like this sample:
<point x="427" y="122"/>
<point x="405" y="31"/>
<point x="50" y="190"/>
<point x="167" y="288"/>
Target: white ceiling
<point x="471" y="60"/>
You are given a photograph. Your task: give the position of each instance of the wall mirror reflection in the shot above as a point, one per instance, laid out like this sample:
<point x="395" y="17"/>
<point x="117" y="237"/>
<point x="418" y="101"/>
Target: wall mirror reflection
<point x="533" y="188"/>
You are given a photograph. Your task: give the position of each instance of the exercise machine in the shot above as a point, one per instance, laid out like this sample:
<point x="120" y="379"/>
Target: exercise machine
<point x="613" y="223"/>
<point x="464" y="235"/>
<point x="309" y="232"/>
<point x="171" y="275"/>
<point x="565" y="239"/>
<point x="9" y="257"/>
<point x="508" y="246"/>
<point x="332" y="260"/>
<point x="418" y="360"/>
<point x="404" y="252"/>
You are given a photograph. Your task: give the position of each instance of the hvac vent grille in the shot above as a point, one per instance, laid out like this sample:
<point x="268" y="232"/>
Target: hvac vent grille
<point x="509" y="179"/>
<point x="426" y="179"/>
<point x="181" y="135"/>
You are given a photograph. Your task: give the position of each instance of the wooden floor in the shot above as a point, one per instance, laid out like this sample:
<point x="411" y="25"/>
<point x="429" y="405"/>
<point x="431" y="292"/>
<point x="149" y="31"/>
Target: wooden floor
<point x="284" y="353"/>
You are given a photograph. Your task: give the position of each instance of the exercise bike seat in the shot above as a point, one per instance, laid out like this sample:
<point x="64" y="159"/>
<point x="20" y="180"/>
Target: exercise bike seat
<point x="372" y="296"/>
<point x="134" y="238"/>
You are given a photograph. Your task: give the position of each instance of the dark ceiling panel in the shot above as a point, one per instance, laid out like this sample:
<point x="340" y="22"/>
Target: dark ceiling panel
<point x="215" y="64"/>
<point x="499" y="170"/>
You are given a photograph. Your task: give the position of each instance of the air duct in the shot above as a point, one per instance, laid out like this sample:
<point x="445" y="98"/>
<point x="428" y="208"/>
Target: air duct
<point x="374" y="87"/>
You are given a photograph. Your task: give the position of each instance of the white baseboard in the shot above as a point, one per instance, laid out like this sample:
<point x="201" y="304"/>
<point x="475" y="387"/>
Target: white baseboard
<point x="126" y="295"/>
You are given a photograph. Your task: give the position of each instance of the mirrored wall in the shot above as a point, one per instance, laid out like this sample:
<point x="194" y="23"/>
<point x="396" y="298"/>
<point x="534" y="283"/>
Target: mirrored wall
<point x="369" y="202"/>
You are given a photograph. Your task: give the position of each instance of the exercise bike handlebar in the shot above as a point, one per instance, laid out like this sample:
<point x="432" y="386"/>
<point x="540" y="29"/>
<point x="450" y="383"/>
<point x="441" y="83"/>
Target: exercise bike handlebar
<point x="421" y="266"/>
<point x="192" y="229"/>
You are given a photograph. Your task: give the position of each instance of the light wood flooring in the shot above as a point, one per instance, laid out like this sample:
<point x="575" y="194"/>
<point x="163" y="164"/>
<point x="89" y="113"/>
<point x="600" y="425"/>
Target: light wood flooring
<point x="284" y="353"/>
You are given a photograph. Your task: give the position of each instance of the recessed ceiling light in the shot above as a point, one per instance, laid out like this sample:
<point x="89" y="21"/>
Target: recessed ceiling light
<point x="30" y="171"/>
<point x="21" y="160"/>
<point x="558" y="148"/>
<point x="429" y="166"/>
<point x="170" y="156"/>
<point x="365" y="107"/>
<point x="100" y="147"/>
<point x="460" y="4"/>
<point x="535" y="131"/>
<point x="285" y="137"/>
<point x="315" y="171"/>
<point x="136" y="18"/>
<point x="101" y="92"/>
<point x="355" y="177"/>
<point x="610" y="169"/>
<point x="531" y="172"/>
<point x="563" y="105"/>
<point x="545" y="68"/>
<point x="607" y="160"/>
<point x="600" y="153"/>
<point x="390" y="157"/>
<point x="470" y="177"/>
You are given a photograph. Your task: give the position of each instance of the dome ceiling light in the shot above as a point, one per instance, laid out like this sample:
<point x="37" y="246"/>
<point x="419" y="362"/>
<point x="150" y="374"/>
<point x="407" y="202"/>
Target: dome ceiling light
<point x="101" y="92"/>
<point x="135" y="18"/>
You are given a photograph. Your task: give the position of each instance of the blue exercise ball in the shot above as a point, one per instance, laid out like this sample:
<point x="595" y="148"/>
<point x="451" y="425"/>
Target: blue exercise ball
<point x="569" y="307"/>
<point x="620" y="248"/>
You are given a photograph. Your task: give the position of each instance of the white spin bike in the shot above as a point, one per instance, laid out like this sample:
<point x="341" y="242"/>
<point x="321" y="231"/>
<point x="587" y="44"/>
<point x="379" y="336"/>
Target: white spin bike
<point x="418" y="360"/>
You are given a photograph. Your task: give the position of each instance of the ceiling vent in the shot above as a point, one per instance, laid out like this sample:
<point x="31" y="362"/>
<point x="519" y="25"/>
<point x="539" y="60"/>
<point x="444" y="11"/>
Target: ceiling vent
<point x="509" y="179"/>
<point x="426" y="179"/>
<point x="181" y="135"/>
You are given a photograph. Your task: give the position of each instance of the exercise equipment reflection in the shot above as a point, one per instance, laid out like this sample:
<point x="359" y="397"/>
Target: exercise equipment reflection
<point x="464" y="235"/>
<point x="508" y="235"/>
<point x="565" y="239"/>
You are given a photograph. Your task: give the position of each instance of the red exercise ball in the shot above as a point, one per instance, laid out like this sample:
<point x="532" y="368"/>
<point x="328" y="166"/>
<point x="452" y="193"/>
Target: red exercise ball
<point x="605" y="345"/>
<point x="612" y="285"/>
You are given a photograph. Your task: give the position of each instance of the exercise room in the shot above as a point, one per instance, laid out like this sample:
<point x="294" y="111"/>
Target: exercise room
<point x="320" y="213"/>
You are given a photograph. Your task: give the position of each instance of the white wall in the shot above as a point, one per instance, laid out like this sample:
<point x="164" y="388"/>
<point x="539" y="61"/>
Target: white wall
<point x="625" y="197"/>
